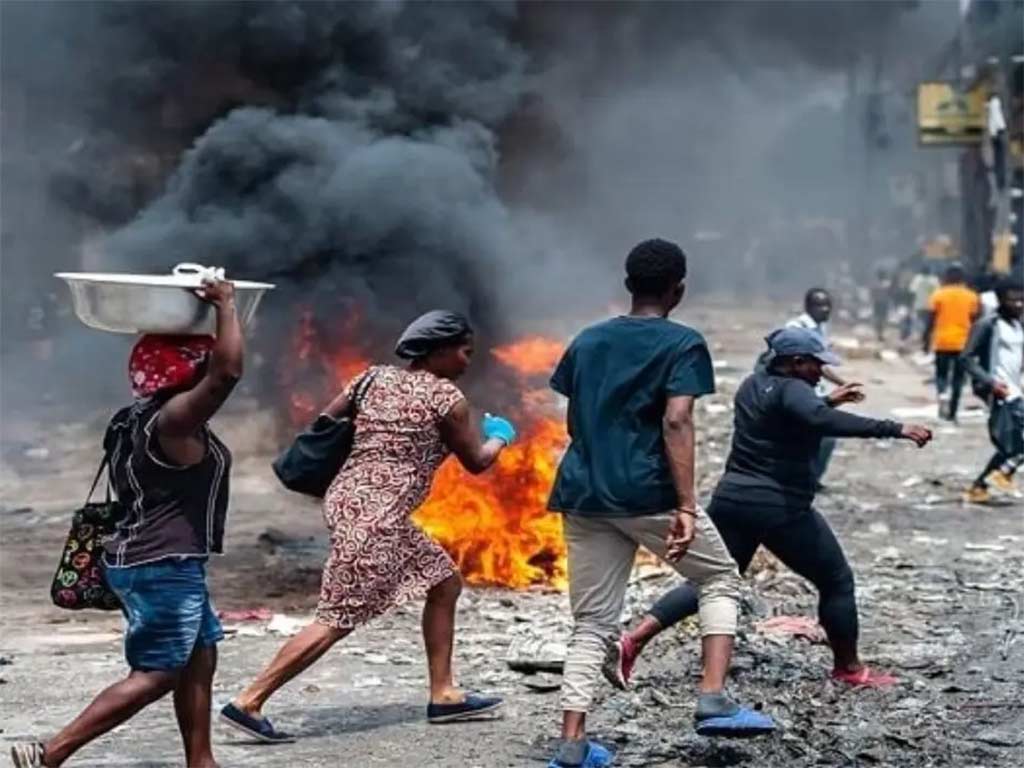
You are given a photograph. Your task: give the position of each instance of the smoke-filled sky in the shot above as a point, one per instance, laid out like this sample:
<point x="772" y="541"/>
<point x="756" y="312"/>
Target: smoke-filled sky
<point x="493" y="157"/>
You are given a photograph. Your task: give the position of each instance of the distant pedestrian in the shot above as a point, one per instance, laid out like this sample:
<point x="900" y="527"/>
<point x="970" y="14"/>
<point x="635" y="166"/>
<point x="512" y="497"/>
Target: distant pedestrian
<point x="816" y="317"/>
<point x="922" y="286"/>
<point x="881" y="301"/>
<point x="994" y="358"/>
<point x="952" y="310"/>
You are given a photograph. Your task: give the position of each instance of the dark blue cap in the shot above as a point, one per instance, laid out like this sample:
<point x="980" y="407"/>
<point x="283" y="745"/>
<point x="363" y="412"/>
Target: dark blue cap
<point x="803" y="342"/>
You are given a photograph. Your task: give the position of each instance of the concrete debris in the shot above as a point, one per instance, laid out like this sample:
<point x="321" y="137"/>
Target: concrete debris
<point x="536" y="654"/>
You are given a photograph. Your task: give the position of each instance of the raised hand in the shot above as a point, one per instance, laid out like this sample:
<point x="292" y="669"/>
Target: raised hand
<point x="848" y="393"/>
<point x="220" y="293"/>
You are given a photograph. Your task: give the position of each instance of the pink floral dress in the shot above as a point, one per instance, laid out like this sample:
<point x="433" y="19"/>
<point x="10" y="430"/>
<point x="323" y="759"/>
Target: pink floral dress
<point x="378" y="558"/>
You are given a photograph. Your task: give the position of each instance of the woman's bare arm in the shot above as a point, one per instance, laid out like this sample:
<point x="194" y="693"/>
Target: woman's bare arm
<point x="462" y="437"/>
<point x="183" y="415"/>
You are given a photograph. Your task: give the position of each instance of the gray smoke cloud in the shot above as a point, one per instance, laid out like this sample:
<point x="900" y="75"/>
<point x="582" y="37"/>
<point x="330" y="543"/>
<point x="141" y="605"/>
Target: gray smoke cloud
<point x="496" y="158"/>
<point x="345" y="151"/>
<point x="764" y="136"/>
<point x="370" y="169"/>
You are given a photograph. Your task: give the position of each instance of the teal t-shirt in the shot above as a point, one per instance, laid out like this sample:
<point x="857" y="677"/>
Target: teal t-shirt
<point x="618" y="376"/>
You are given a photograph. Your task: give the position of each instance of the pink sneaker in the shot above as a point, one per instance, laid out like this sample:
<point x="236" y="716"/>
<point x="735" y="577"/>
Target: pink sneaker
<point x="619" y="661"/>
<point x="865" y="677"/>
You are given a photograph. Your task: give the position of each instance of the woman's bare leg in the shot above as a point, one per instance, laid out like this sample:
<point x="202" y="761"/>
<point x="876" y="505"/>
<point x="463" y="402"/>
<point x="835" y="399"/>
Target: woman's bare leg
<point x="294" y="657"/>
<point x="113" y="706"/>
<point x="439" y="638"/>
<point x="192" y="702"/>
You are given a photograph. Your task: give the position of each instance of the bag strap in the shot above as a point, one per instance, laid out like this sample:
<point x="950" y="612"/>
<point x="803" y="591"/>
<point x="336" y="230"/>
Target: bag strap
<point x="360" y="394"/>
<point x="96" y="480"/>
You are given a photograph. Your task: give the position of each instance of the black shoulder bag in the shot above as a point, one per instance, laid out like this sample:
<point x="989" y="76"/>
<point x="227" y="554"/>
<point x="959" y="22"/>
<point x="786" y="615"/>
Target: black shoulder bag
<point x="78" y="582"/>
<point x="310" y="464"/>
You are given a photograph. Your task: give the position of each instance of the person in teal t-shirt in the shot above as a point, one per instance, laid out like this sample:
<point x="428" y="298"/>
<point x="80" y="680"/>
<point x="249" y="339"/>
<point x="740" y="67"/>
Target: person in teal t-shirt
<point x="627" y="480"/>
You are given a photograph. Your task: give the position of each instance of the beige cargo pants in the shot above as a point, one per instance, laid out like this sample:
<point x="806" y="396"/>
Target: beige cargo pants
<point x="601" y="552"/>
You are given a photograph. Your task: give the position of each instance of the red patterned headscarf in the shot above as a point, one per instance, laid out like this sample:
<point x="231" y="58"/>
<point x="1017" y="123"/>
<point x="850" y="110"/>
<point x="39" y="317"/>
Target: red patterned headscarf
<point x="161" y="362"/>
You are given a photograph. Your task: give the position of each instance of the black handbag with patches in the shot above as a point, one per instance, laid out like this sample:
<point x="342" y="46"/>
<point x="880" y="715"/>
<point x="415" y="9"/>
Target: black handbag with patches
<point x="310" y="464"/>
<point x="79" y="582"/>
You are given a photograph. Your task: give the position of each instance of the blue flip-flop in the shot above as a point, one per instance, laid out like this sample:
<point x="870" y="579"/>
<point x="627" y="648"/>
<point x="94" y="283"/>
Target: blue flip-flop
<point x="744" y="723"/>
<point x="258" y="728"/>
<point x="469" y="708"/>
<point x="597" y="757"/>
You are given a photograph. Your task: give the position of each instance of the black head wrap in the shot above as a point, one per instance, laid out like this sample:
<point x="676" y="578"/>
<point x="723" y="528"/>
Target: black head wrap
<point x="430" y="331"/>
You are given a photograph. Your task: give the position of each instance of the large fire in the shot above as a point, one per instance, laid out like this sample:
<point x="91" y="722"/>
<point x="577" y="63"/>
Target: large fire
<point x="495" y="525"/>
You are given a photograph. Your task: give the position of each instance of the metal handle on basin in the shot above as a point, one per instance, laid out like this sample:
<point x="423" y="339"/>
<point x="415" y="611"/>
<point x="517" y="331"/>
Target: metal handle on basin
<point x="189" y="268"/>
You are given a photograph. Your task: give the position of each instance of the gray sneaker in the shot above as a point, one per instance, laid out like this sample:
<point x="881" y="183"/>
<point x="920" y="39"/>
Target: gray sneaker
<point x="27" y="755"/>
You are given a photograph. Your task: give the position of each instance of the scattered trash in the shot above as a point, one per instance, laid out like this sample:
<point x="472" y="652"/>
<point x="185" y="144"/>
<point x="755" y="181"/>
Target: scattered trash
<point x="281" y="624"/>
<point x="247" y="614"/>
<point x="916" y="413"/>
<point x="801" y="627"/>
<point x="535" y="654"/>
<point x="984" y="547"/>
<point x="367" y="682"/>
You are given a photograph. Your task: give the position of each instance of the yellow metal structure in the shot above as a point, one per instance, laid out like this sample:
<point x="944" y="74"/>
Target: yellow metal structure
<point x="946" y="116"/>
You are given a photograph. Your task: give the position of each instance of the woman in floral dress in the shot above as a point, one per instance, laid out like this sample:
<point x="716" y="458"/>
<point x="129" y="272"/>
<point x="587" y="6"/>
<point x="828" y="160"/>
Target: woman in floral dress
<point x="407" y="422"/>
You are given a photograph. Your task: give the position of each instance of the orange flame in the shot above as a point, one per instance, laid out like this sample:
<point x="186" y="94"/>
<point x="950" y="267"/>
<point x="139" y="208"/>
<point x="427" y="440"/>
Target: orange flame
<point x="495" y="525"/>
<point x="531" y="356"/>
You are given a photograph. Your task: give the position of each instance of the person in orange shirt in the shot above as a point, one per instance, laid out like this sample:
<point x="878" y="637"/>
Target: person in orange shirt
<point x="952" y="309"/>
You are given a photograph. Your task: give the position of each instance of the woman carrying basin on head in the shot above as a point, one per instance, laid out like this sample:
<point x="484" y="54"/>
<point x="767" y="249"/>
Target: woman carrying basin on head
<point x="170" y="473"/>
<point x="407" y="422"/>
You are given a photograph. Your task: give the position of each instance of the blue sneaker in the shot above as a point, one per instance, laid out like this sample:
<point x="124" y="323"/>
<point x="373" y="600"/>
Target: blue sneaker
<point x="743" y="723"/>
<point x="596" y="756"/>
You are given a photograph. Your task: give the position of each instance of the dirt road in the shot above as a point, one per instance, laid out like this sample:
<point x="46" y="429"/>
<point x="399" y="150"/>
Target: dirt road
<point x="940" y="585"/>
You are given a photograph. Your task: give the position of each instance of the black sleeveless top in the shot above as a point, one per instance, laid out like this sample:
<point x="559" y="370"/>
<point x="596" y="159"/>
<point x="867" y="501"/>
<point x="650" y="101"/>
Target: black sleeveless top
<point x="170" y="511"/>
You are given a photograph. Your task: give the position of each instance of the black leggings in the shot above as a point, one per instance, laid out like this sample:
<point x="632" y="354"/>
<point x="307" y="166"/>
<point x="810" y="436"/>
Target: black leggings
<point x="804" y="542"/>
<point x="949" y="374"/>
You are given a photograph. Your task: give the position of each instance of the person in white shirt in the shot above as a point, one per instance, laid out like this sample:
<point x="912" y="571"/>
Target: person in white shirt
<point x="922" y="286"/>
<point x="997" y="136"/>
<point x="994" y="357"/>
<point x="816" y="315"/>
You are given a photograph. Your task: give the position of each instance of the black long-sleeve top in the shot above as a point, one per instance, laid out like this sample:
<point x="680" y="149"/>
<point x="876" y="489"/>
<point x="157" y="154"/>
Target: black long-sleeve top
<point x="779" y="424"/>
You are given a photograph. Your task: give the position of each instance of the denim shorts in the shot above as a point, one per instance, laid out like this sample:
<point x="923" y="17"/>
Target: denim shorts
<point x="168" y="610"/>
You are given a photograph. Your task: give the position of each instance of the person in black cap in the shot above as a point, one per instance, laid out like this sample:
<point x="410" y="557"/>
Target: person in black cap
<point x="765" y="497"/>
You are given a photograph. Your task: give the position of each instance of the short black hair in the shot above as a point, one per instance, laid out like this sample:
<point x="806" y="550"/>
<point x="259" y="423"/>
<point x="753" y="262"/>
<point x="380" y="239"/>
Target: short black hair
<point x="812" y="292"/>
<point x="654" y="266"/>
<point x="955" y="273"/>
<point x="1008" y="285"/>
